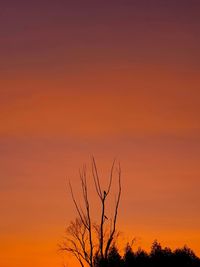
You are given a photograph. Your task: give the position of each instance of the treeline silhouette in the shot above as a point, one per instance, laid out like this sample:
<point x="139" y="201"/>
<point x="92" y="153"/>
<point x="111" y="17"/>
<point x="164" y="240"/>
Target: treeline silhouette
<point x="157" y="257"/>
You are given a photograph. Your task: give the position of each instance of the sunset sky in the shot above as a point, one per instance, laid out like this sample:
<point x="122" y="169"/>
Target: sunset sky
<point x="104" y="78"/>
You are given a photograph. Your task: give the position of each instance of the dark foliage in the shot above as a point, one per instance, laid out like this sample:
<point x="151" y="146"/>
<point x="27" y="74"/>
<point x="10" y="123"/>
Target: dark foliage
<point x="158" y="257"/>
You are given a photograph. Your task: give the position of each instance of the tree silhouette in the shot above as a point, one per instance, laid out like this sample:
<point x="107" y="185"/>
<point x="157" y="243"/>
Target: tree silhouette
<point x="90" y="242"/>
<point x="93" y="243"/>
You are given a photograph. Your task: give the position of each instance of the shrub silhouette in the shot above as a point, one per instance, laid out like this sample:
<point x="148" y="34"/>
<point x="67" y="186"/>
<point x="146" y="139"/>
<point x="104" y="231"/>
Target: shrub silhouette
<point x="160" y="256"/>
<point x="157" y="257"/>
<point x="113" y="260"/>
<point x="129" y="256"/>
<point x="186" y="257"/>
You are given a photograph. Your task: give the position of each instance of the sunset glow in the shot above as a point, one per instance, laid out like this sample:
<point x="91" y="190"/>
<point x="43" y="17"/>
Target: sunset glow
<point x="113" y="79"/>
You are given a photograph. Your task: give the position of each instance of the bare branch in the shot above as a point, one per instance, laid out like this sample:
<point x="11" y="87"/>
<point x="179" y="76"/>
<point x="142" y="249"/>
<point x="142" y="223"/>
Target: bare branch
<point x="111" y="176"/>
<point x="96" y="178"/>
<point x="76" y="205"/>
<point x="115" y="215"/>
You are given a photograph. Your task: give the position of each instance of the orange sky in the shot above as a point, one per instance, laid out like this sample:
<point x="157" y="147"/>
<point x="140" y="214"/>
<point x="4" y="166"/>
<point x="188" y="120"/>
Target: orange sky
<point x="113" y="80"/>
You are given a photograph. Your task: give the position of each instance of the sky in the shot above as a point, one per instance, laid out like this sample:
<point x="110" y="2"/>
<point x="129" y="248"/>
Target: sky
<point x="104" y="78"/>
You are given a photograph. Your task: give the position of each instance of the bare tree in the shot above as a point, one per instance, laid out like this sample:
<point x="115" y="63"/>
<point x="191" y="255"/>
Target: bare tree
<point x="85" y="239"/>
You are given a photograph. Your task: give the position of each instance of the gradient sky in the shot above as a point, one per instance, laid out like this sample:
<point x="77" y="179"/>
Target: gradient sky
<point x="108" y="78"/>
